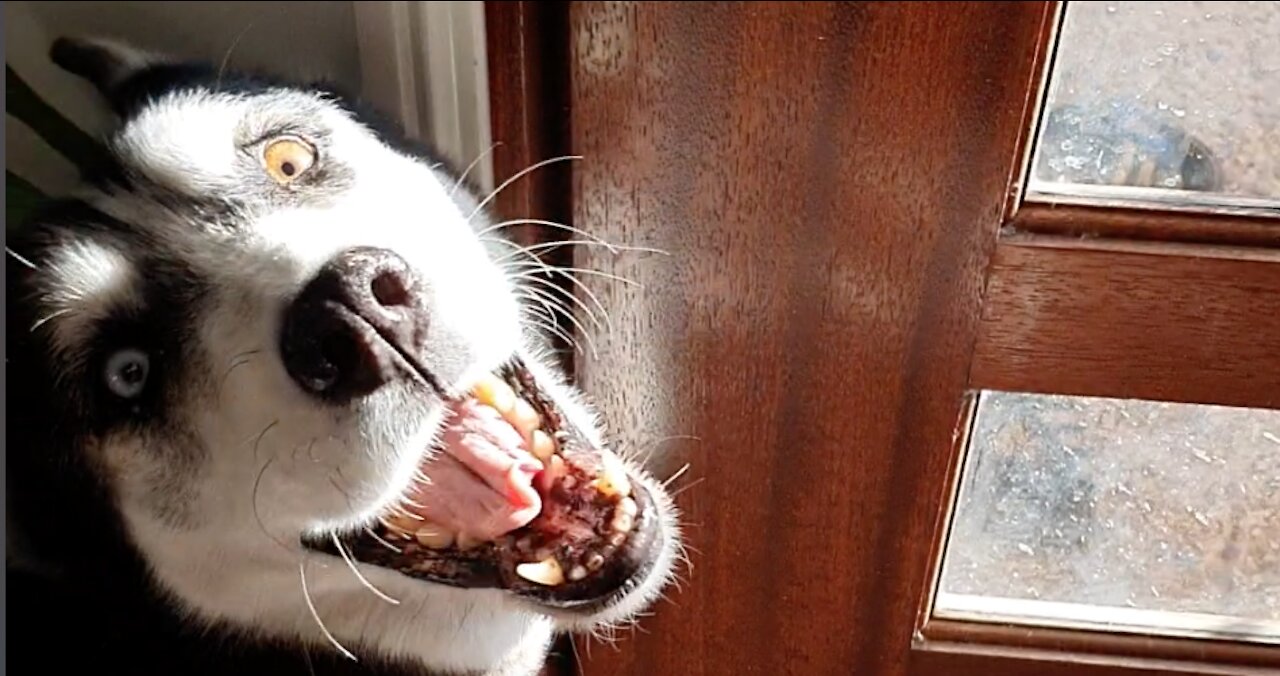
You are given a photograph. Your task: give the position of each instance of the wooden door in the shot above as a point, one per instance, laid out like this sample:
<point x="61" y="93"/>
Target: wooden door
<point x="836" y="188"/>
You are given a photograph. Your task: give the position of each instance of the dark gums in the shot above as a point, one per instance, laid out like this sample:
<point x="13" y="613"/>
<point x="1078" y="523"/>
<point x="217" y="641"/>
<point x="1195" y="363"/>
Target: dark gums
<point x="493" y="564"/>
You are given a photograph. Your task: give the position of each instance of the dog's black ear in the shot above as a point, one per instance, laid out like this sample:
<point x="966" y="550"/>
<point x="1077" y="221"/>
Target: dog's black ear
<point x="103" y="62"/>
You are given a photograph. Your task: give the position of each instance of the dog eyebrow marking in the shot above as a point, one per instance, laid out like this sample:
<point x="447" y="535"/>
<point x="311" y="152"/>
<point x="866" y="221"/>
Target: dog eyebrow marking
<point x="83" y="282"/>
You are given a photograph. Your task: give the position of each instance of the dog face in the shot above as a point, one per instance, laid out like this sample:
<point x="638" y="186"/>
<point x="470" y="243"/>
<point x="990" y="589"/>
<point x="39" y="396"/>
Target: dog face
<point x="292" y="362"/>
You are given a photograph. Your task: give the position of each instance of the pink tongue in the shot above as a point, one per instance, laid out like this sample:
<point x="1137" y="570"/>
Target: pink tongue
<point x="482" y="485"/>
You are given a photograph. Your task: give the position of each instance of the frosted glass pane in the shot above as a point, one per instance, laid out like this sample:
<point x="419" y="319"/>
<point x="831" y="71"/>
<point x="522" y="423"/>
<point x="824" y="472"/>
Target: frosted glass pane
<point x="1129" y="505"/>
<point x="1168" y="102"/>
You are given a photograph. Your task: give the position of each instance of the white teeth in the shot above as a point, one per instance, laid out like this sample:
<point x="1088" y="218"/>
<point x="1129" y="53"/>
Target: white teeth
<point x="613" y="478"/>
<point x="524" y="418"/>
<point x="593" y="561"/>
<point x="616" y="539"/>
<point x="434" y="537"/>
<point x="577" y="573"/>
<point x="491" y="391"/>
<point x="622" y="522"/>
<point x="624" y="516"/>
<point x="546" y="572"/>
<point x="542" y="446"/>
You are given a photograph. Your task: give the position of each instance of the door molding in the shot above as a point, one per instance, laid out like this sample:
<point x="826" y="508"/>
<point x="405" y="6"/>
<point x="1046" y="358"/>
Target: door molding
<point x="427" y="64"/>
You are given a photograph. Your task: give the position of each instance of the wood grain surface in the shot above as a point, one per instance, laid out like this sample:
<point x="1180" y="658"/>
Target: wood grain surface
<point x="1147" y="224"/>
<point x="1161" y="322"/>
<point x="828" y="180"/>
<point x="527" y="49"/>
<point x="954" y="647"/>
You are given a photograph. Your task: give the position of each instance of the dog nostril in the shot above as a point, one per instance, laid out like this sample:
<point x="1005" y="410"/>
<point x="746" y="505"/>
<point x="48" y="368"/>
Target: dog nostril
<point x="389" y="289"/>
<point x="343" y="337"/>
<point x="336" y="353"/>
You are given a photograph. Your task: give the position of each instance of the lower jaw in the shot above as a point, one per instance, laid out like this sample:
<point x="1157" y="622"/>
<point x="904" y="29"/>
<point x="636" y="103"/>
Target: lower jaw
<point x="492" y="565"/>
<point x="580" y="569"/>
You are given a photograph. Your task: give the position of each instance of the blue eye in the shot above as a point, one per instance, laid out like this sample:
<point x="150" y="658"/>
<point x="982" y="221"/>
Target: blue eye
<point x="127" y="372"/>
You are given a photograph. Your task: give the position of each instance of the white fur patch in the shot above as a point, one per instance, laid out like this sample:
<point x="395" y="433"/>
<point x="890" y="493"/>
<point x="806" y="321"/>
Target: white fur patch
<point x="84" y="282"/>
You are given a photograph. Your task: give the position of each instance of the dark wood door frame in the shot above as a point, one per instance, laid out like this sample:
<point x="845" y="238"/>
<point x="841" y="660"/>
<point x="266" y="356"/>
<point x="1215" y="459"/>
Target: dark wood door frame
<point x="836" y="185"/>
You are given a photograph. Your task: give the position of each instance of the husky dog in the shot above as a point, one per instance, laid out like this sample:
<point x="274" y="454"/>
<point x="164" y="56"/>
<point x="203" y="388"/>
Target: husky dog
<point x="275" y="405"/>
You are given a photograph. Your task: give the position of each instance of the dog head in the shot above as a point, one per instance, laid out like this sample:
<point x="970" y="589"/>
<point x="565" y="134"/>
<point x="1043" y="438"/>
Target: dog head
<point x="291" y="364"/>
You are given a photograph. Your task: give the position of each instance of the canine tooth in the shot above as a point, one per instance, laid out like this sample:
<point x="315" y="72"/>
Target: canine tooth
<point x="593" y="561"/>
<point x="577" y="573"/>
<point x="434" y="537"/>
<point x="542" y="446"/>
<point x="613" y="477"/>
<point x="556" y="466"/>
<point x="493" y="392"/>
<point x="628" y="506"/>
<point x="546" y="572"/>
<point x="555" y="470"/>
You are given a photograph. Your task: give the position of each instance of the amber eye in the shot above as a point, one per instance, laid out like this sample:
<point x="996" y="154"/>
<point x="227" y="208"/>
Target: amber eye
<point x="288" y="158"/>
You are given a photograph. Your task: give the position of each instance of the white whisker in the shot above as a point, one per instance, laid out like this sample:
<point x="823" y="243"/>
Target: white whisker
<point x="679" y="473"/>
<point x="613" y="248"/>
<point x="544" y="308"/>
<point x="22" y="260"/>
<point x="384" y="543"/>
<point x="586" y="335"/>
<point x="515" y="178"/>
<point x="537" y="221"/>
<point x="404" y="512"/>
<point x="538" y="315"/>
<point x="226" y="58"/>
<point x="552" y="328"/>
<point x="302" y="569"/>
<point x="564" y="309"/>
<point x="352" y="565"/>
<point x="471" y="166"/>
<point x="49" y="317"/>
<point x="590" y="294"/>
<point x="588" y="271"/>
<point x="598" y="273"/>
<point x="523" y="271"/>
<point x="544" y="298"/>
<point x="691" y="484"/>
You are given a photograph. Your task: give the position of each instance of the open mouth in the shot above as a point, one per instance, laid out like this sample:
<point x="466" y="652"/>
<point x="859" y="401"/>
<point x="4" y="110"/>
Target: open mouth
<point x="514" y="497"/>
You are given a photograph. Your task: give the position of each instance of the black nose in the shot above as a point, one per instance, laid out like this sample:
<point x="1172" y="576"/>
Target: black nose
<point x="356" y="326"/>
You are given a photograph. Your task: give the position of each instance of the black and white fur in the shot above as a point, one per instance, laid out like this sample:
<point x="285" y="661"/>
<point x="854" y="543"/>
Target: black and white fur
<point x="160" y="534"/>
